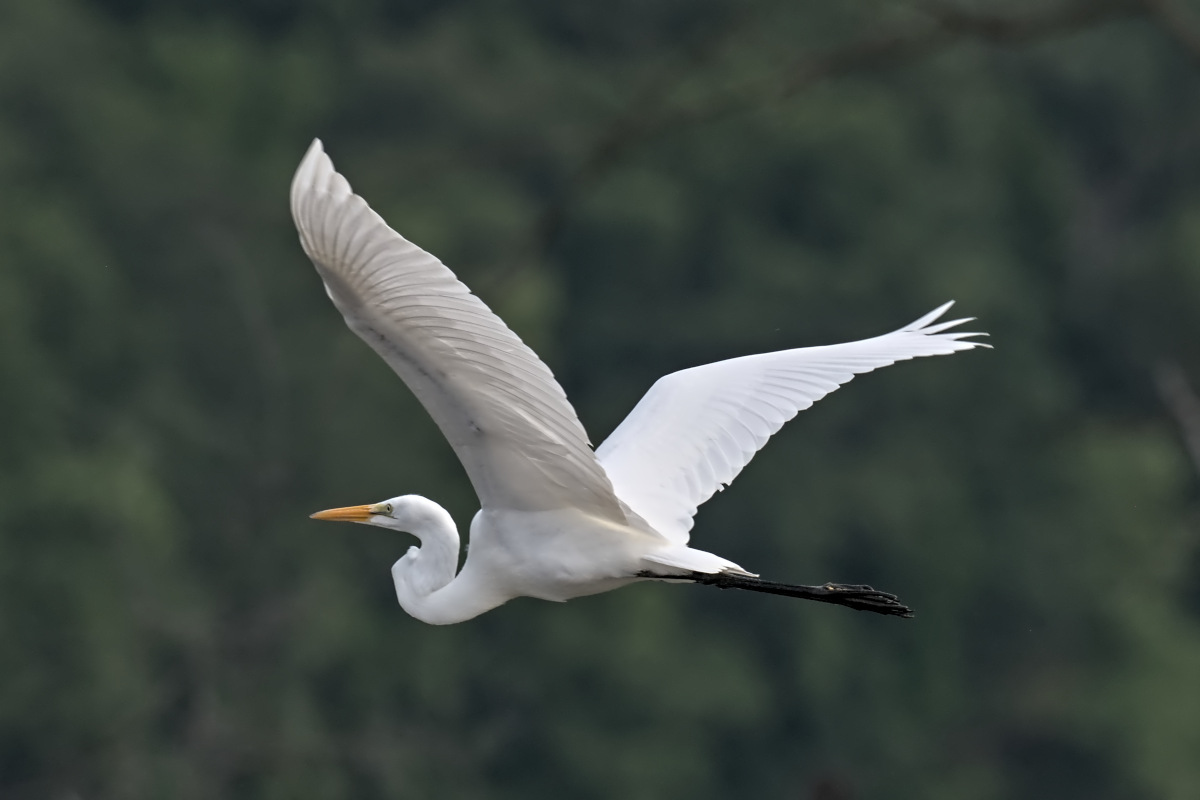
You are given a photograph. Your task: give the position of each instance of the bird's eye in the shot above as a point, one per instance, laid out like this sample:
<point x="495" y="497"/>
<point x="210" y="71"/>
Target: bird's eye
<point x="388" y="509"/>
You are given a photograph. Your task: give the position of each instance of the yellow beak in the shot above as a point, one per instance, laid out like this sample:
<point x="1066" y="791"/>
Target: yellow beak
<point x="347" y="514"/>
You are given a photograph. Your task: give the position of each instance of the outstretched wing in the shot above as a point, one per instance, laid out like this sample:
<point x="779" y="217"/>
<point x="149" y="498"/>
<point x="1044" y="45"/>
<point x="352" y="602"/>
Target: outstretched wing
<point x="695" y="429"/>
<point x="497" y="404"/>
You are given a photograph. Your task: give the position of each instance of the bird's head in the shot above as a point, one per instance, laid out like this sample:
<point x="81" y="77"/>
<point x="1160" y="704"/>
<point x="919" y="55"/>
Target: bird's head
<point x="409" y="513"/>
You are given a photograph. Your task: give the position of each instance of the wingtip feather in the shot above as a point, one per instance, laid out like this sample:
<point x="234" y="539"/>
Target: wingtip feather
<point x="309" y="164"/>
<point x="306" y="171"/>
<point x="926" y="327"/>
<point x="930" y="317"/>
<point x="316" y="176"/>
<point x="314" y="149"/>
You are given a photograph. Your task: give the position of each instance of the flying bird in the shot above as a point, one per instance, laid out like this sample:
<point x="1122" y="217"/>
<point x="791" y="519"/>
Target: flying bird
<point x="558" y="520"/>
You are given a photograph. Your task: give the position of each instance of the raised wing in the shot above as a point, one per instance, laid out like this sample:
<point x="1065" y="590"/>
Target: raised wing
<point x="497" y="404"/>
<point x="695" y="429"/>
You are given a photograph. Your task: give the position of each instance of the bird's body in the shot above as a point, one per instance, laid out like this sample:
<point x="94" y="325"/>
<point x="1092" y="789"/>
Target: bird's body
<point x="557" y="520"/>
<point x="576" y="555"/>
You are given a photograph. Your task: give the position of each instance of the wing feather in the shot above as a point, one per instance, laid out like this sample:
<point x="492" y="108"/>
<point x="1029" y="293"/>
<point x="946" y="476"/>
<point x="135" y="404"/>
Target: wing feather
<point x="498" y="405"/>
<point x="696" y="429"/>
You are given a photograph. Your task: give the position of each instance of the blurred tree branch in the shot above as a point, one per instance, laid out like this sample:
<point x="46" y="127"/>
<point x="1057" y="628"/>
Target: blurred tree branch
<point x="1179" y="24"/>
<point x="941" y="26"/>
<point x="938" y="26"/>
<point x="1182" y="404"/>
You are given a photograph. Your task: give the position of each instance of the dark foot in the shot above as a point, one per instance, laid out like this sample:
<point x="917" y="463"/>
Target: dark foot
<point x="861" y="598"/>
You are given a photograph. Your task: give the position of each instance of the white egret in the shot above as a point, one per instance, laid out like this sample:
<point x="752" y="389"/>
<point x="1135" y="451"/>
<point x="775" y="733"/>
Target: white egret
<point x="558" y="520"/>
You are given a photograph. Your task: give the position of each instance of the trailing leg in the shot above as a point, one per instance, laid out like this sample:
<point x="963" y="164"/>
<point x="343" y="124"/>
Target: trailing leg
<point x="857" y="596"/>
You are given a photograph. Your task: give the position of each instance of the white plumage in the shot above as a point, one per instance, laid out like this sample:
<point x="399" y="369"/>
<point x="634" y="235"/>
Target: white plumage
<point x="558" y="521"/>
<point x="496" y="402"/>
<point x="695" y="429"/>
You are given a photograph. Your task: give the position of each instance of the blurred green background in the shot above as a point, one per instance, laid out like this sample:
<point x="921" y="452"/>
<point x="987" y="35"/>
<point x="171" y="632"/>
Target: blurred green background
<point x="636" y="187"/>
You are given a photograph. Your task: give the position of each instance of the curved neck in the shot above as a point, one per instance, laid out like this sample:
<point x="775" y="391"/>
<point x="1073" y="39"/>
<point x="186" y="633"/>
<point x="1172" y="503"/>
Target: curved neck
<point x="426" y="584"/>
